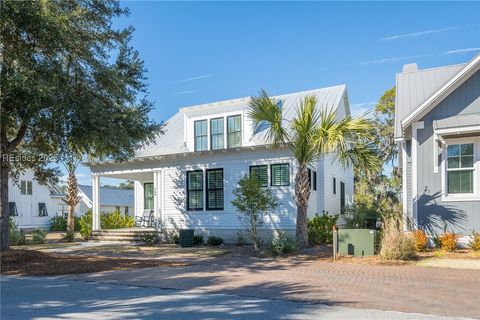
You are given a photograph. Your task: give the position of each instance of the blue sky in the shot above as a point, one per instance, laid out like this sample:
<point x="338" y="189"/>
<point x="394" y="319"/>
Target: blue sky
<point x="209" y="51"/>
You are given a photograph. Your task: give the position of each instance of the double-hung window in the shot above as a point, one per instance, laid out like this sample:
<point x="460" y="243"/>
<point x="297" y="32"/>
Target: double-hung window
<point x="234" y="131"/>
<point x="26" y="187"/>
<point x="460" y="168"/>
<point x="216" y="133"/>
<point x="214" y="189"/>
<point x="280" y="174"/>
<point x="148" y="197"/>
<point x="195" y="190"/>
<point x="201" y="135"/>
<point x="261" y="173"/>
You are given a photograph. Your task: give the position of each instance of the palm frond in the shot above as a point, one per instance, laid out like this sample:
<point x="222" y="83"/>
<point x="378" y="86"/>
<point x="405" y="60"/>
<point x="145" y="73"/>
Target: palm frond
<point x="263" y="109"/>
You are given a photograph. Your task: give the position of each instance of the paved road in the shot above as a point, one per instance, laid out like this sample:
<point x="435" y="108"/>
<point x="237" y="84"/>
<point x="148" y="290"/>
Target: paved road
<point x="47" y="298"/>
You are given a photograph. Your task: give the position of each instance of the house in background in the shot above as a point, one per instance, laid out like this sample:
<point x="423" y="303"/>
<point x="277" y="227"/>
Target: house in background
<point x="112" y="199"/>
<point x="437" y="125"/>
<point x="186" y="178"/>
<point x="32" y="204"/>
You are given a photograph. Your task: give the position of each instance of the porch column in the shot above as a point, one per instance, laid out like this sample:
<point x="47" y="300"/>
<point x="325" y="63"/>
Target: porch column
<point x="156" y="198"/>
<point x="96" y="202"/>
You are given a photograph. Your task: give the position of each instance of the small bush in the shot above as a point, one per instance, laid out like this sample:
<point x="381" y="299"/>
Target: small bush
<point x="59" y="223"/>
<point x="149" y="238"/>
<point x="448" y="241"/>
<point x="38" y="236"/>
<point x="420" y="239"/>
<point x="115" y="220"/>
<point x="214" y="241"/>
<point x="17" y="236"/>
<point x="241" y="239"/>
<point x="436" y="241"/>
<point x="282" y="243"/>
<point x="396" y="244"/>
<point x="474" y="243"/>
<point x="378" y="240"/>
<point x="320" y="229"/>
<point x="197" y="240"/>
<point x="86" y="224"/>
<point x="69" y="236"/>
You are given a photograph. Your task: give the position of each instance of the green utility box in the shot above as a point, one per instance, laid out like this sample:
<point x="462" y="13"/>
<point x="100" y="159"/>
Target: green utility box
<point x="185" y="238"/>
<point x="356" y="242"/>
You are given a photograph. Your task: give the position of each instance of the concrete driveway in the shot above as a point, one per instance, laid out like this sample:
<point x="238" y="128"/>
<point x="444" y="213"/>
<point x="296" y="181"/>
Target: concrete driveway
<point x="55" y="298"/>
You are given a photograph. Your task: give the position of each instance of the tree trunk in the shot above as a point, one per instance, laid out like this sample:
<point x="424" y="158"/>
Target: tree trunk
<point x="302" y="194"/>
<point x="4" y="218"/>
<point x="72" y="200"/>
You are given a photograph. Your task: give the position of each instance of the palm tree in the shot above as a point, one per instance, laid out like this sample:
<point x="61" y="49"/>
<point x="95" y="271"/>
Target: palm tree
<point x="314" y="132"/>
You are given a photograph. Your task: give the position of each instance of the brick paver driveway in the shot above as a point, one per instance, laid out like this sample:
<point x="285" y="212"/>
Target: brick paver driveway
<point x="438" y="291"/>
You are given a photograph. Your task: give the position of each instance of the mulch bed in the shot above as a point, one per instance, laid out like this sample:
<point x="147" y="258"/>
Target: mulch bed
<point x="36" y="263"/>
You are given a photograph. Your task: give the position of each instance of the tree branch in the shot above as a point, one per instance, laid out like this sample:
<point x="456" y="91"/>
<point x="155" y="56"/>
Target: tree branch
<point x="20" y="134"/>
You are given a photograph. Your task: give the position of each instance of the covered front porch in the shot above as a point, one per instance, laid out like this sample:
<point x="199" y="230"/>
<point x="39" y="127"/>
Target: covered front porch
<point x="148" y="195"/>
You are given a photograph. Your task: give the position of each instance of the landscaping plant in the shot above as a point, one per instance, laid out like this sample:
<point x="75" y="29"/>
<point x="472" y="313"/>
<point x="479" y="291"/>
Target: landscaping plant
<point x="115" y="220"/>
<point x="448" y="241"/>
<point x="282" y="243"/>
<point x="17" y="236"/>
<point x="396" y="244"/>
<point x="314" y="131"/>
<point x="69" y="236"/>
<point x="86" y="224"/>
<point x="420" y="239"/>
<point x="254" y="202"/>
<point x="320" y="229"/>
<point x="214" y="241"/>
<point x="197" y="240"/>
<point x="39" y="236"/>
<point x="59" y="223"/>
<point x="149" y="239"/>
<point x="474" y="243"/>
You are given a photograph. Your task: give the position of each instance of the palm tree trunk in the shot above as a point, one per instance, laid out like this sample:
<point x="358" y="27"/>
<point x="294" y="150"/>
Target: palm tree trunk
<point x="72" y="195"/>
<point x="302" y="194"/>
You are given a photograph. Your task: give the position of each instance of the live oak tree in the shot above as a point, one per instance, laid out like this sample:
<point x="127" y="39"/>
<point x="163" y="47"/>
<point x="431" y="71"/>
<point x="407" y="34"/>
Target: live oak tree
<point x="70" y="83"/>
<point x="313" y="132"/>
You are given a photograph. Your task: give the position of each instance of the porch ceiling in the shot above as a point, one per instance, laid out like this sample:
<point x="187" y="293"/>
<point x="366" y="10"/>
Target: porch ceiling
<point x="147" y="175"/>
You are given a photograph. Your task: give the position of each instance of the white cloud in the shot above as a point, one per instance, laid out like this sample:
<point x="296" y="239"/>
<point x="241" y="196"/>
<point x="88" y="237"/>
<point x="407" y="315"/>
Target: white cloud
<point x="183" y="92"/>
<point x="385" y="60"/>
<point x="200" y="77"/>
<point x="462" y="50"/>
<point x="359" y="109"/>
<point x="417" y="34"/>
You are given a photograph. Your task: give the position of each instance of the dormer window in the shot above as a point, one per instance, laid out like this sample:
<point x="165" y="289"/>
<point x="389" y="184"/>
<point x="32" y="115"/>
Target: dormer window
<point x="201" y="135"/>
<point x="216" y="133"/>
<point x="234" y="131"/>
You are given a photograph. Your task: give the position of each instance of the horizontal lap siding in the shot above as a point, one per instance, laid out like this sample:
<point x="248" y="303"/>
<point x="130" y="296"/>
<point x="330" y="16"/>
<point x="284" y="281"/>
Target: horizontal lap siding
<point x="462" y="216"/>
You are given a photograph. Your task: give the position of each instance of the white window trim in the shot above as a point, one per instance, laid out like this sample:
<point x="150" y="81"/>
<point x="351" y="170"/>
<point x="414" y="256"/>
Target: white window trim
<point x="459" y="197"/>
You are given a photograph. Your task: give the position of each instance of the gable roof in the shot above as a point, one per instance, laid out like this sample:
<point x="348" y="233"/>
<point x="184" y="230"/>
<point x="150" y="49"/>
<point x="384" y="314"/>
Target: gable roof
<point x="111" y="196"/>
<point x="414" y="87"/>
<point x="173" y="141"/>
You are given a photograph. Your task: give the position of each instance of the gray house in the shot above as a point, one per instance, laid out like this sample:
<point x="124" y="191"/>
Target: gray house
<point x="437" y="126"/>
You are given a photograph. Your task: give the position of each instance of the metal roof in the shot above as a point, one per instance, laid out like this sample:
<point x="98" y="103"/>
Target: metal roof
<point x="414" y="87"/>
<point x="172" y="142"/>
<point x="111" y="196"/>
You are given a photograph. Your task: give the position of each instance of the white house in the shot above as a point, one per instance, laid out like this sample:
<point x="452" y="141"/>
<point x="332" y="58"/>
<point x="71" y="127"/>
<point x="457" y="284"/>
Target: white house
<point x="186" y="178"/>
<point x="32" y="204"/>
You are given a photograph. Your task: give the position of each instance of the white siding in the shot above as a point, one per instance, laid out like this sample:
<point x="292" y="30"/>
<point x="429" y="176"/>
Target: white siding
<point x="27" y="205"/>
<point x="333" y="169"/>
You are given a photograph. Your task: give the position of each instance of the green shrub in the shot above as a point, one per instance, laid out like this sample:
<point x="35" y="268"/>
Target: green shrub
<point x="69" y="236"/>
<point x="437" y="243"/>
<point x="282" y="243"/>
<point x="214" y="241"/>
<point x="396" y="244"/>
<point x="241" y="239"/>
<point x="149" y="238"/>
<point x="17" y="236"/>
<point x="38" y="236"/>
<point x="115" y="220"/>
<point x="59" y="223"/>
<point x="86" y="224"/>
<point x="197" y="240"/>
<point x="474" y="243"/>
<point x="320" y="229"/>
